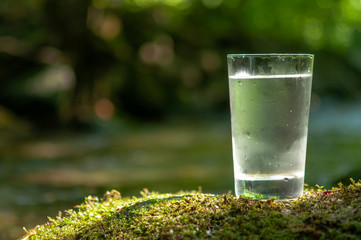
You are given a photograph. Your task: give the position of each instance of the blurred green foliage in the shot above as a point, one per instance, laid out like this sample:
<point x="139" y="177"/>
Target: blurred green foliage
<point x="67" y="61"/>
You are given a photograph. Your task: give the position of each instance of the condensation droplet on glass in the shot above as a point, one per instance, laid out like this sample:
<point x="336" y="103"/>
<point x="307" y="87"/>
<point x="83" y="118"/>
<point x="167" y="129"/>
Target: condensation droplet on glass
<point x="285" y="179"/>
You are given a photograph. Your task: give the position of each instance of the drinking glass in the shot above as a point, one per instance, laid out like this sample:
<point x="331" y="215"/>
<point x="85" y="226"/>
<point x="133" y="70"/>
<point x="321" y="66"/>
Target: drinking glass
<point x="269" y="101"/>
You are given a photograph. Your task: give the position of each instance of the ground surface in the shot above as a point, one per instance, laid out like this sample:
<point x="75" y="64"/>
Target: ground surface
<point x="319" y="214"/>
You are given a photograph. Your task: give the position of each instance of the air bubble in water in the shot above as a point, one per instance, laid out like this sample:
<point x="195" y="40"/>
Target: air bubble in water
<point x="285" y="179"/>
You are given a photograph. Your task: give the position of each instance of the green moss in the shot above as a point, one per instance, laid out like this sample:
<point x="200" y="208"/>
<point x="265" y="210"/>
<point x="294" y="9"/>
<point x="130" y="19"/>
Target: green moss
<point x="318" y="214"/>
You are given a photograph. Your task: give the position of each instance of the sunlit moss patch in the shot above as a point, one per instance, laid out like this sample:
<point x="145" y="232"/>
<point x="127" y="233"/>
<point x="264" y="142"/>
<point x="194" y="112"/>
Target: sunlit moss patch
<point x="318" y="214"/>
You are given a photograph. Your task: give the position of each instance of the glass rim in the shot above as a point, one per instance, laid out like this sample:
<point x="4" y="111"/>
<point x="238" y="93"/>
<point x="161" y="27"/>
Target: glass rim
<point x="270" y="55"/>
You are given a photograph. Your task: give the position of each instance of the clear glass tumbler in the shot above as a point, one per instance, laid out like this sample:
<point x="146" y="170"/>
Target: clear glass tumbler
<point x="269" y="100"/>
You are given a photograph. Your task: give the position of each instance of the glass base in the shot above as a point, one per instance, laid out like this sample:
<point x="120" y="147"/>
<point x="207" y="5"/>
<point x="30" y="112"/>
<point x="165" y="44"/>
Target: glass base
<point x="273" y="187"/>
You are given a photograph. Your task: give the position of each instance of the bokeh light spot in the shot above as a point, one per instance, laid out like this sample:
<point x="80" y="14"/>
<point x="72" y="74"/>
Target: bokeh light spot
<point x="110" y="27"/>
<point x="160" y="51"/>
<point x="104" y="109"/>
<point x="356" y="4"/>
<point x="107" y="26"/>
<point x="350" y="10"/>
<point x="54" y="79"/>
<point x="313" y="32"/>
<point x="147" y="52"/>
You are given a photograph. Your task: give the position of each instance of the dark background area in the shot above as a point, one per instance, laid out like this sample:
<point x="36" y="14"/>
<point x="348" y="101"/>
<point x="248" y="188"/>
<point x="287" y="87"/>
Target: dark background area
<point x="127" y="94"/>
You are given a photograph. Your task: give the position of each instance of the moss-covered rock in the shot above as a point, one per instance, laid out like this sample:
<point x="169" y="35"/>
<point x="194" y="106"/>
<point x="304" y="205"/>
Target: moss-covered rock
<point x="318" y="214"/>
